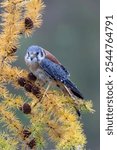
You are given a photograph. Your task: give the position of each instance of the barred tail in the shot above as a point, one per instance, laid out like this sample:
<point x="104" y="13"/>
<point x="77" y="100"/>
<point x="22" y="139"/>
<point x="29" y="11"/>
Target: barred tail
<point x="73" y="88"/>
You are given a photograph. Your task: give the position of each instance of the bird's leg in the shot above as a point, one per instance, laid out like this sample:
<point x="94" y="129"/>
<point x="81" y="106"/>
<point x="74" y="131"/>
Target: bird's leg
<point x="41" y="83"/>
<point x="48" y="86"/>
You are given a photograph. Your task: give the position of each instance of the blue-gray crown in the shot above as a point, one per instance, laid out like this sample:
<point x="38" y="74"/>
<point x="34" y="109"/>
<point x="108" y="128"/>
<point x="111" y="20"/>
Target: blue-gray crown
<point x="33" y="48"/>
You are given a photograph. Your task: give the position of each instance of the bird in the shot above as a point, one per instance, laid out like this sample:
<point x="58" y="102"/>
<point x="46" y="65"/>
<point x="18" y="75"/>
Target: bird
<point x="49" y="70"/>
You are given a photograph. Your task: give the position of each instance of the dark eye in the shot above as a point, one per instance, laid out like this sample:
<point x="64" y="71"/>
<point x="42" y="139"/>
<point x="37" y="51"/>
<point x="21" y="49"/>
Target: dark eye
<point x="37" y="53"/>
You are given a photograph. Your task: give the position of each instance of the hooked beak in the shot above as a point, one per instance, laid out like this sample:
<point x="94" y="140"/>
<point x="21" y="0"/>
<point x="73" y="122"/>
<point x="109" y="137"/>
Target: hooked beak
<point x="32" y="56"/>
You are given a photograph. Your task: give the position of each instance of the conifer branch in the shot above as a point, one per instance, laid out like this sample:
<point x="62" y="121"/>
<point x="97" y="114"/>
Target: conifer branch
<point x="53" y="113"/>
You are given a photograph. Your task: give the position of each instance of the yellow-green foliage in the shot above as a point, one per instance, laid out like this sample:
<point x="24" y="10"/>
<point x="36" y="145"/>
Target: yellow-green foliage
<point x="7" y="143"/>
<point x="53" y="114"/>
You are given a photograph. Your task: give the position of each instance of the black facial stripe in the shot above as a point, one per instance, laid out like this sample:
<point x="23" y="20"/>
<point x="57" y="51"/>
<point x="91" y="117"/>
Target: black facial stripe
<point x="37" y="57"/>
<point x="37" y="53"/>
<point x="28" y="54"/>
<point x="41" y="54"/>
<point x="44" y="52"/>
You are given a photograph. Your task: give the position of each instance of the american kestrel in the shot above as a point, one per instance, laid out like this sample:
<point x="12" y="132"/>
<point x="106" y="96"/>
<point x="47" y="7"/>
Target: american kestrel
<point x="48" y="69"/>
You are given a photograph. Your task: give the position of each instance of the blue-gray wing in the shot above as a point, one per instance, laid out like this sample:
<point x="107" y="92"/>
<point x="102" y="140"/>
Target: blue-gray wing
<point x="55" y="71"/>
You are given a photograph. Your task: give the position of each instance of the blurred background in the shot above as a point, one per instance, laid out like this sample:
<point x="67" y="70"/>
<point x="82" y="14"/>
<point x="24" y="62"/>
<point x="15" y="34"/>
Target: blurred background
<point x="70" y="31"/>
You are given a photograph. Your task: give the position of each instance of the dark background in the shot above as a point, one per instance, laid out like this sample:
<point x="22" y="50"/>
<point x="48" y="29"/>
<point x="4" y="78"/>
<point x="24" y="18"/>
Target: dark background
<point x="70" y="31"/>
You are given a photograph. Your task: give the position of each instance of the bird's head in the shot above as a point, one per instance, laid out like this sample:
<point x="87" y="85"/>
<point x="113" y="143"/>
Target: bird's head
<point x="34" y="54"/>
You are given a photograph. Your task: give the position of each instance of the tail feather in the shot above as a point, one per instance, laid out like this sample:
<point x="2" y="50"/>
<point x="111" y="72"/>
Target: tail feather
<point x="73" y="88"/>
